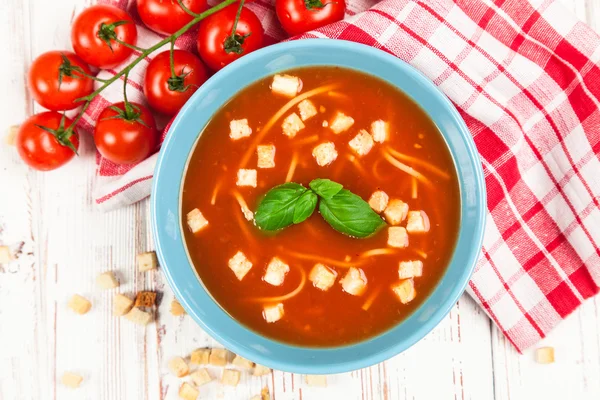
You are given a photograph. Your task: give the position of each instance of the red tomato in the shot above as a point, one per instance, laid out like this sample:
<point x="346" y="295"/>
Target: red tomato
<point x="125" y="136"/>
<point x="216" y="46"/>
<point x="45" y="150"/>
<point x="299" y="16"/>
<point x="96" y="33"/>
<point x="166" y="94"/>
<point x="167" y="16"/>
<point x="55" y="80"/>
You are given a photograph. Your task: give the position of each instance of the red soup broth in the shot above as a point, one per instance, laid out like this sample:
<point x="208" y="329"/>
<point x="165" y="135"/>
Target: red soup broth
<point x="315" y="317"/>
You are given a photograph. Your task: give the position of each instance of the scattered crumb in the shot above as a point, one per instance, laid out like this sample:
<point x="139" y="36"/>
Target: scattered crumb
<point x="139" y="317"/>
<point x="11" y="136"/>
<point x="179" y="367"/>
<point x="544" y="355"/>
<point x="72" y="380"/>
<point x="79" y="304"/>
<point x="200" y="356"/>
<point x="188" y="392"/>
<point x="218" y="357"/>
<point x="201" y="376"/>
<point x="196" y="221"/>
<point x="145" y="299"/>
<point x="176" y="308"/>
<point x="231" y="377"/>
<point x="121" y="305"/>
<point x="260" y="370"/>
<point x="241" y="362"/>
<point x="316" y="380"/>
<point x="147" y="261"/>
<point x="5" y="255"/>
<point x="107" y="280"/>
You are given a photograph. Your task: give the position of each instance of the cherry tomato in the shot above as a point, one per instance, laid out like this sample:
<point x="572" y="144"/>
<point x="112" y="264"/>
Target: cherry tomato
<point x="166" y="94"/>
<point x="125" y="135"/>
<point x="45" y="143"/>
<point x="299" y="16"/>
<point x="96" y="33"/>
<point x="55" y="80"/>
<point x="167" y="16"/>
<point x="216" y="46"/>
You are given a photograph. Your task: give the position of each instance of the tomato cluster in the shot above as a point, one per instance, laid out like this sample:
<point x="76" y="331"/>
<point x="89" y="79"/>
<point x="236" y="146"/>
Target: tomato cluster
<point x="104" y="37"/>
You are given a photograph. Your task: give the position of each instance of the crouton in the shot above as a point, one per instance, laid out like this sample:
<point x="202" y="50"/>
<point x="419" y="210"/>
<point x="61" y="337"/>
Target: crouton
<point x="260" y="370"/>
<point x="5" y="255"/>
<point x="316" y="380"/>
<point x="324" y="124"/>
<point x="179" y="367"/>
<point x="264" y="393"/>
<point x="121" y="305"/>
<point x="395" y="212"/>
<point x="145" y="299"/>
<point x="241" y="362"/>
<point x="292" y="124"/>
<point x="201" y="376"/>
<point x="418" y="222"/>
<point x="230" y="377"/>
<point x="246" y="177"/>
<point x="273" y="313"/>
<point x="139" y="317"/>
<point x="362" y="143"/>
<point x="71" y="380"/>
<point x="239" y="128"/>
<point x="380" y="131"/>
<point x="240" y="265"/>
<point x="286" y="85"/>
<point x="355" y="282"/>
<point x="188" y="392"/>
<point x="196" y="221"/>
<point x="325" y="153"/>
<point x="544" y="355"/>
<point x="200" y="356"/>
<point x="107" y="280"/>
<point x="410" y="269"/>
<point x="322" y="277"/>
<point x="307" y="109"/>
<point x="276" y="271"/>
<point x="397" y="237"/>
<point x="147" y="261"/>
<point x="176" y="308"/>
<point x="405" y="290"/>
<point x="11" y="136"/>
<point x="266" y="156"/>
<point x="218" y="357"/>
<point x="379" y="201"/>
<point x="340" y="123"/>
<point x="79" y="304"/>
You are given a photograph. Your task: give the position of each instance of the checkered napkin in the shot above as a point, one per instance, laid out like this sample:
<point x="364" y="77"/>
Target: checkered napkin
<point x="526" y="79"/>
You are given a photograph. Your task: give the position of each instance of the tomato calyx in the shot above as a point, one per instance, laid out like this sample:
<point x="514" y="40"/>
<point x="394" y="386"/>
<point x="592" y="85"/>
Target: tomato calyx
<point x="314" y="4"/>
<point x="67" y="68"/>
<point x="130" y="113"/>
<point x="233" y="43"/>
<point x="176" y="82"/>
<point x="61" y="134"/>
<point x="107" y="33"/>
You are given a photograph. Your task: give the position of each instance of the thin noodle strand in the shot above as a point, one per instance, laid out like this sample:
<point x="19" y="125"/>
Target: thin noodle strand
<point x="421" y="253"/>
<point x="213" y="199"/>
<point x="265" y="129"/>
<point x="356" y="163"/>
<point x="242" y="223"/>
<point x="377" y="252"/>
<point x="292" y="169"/>
<point x="405" y="168"/>
<point x="371" y="299"/>
<point x="324" y="260"/>
<point x="243" y="204"/>
<point x="414" y="193"/>
<point x="310" y="139"/>
<point x="427" y="165"/>
<point x="293" y="293"/>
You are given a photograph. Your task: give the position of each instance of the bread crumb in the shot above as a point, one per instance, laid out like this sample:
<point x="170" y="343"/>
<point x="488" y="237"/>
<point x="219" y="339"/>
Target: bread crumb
<point x="379" y="201"/>
<point x="241" y="362"/>
<point x="239" y="128"/>
<point x="316" y="380"/>
<point x="107" y="280"/>
<point x="405" y="290"/>
<point x="266" y="156"/>
<point x="147" y="261"/>
<point x="307" y="109"/>
<point x="79" y="304"/>
<point x="544" y="355"/>
<point x="247" y="177"/>
<point x="325" y="153"/>
<point x="188" y="392"/>
<point x="121" y="305"/>
<point x="11" y="136"/>
<point x="176" y="308"/>
<point x="72" y="380"/>
<point x="179" y="367"/>
<point x="139" y="317"/>
<point x="201" y="376"/>
<point x="200" y="356"/>
<point x="145" y="299"/>
<point x="218" y="357"/>
<point x="286" y="85"/>
<point x="196" y="221"/>
<point x="260" y="370"/>
<point x="5" y="255"/>
<point x="231" y="377"/>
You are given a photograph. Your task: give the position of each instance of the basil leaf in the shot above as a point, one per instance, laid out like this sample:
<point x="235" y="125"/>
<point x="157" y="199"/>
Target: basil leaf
<point x="350" y="214"/>
<point x="325" y="188"/>
<point x="305" y="206"/>
<point x="276" y="210"/>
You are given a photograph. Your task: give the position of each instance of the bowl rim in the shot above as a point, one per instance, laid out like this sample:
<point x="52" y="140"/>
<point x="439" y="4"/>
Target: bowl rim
<point x="166" y="220"/>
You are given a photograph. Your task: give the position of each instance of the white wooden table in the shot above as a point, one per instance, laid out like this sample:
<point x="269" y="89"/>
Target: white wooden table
<point x="63" y="244"/>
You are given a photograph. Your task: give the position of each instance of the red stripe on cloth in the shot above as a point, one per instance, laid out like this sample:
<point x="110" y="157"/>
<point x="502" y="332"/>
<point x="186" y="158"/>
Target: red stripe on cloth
<point x="122" y="189"/>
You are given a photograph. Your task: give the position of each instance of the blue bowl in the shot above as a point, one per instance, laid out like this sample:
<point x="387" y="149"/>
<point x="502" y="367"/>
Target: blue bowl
<point x="166" y="206"/>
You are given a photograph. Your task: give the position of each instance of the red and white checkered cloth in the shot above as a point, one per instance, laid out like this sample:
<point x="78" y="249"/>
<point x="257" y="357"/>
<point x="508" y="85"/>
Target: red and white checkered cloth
<point x="525" y="76"/>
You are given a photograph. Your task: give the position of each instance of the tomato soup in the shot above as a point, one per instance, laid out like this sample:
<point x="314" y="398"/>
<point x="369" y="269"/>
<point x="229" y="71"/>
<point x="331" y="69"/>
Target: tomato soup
<point x="320" y="206"/>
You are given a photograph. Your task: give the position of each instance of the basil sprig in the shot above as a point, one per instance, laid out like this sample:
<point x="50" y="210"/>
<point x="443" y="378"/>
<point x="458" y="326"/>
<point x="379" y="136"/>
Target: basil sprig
<point x="292" y="203"/>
